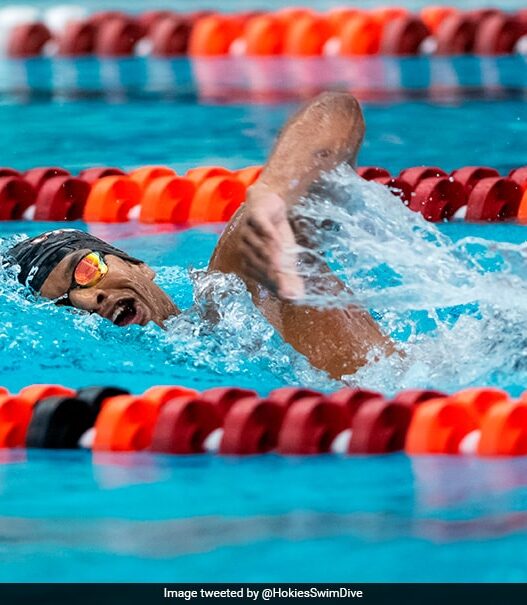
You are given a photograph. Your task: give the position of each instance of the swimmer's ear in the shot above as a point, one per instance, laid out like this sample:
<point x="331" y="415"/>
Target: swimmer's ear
<point x="147" y="271"/>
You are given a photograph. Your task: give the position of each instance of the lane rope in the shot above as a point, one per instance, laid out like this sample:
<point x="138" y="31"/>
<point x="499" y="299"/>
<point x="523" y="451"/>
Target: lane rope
<point x="296" y="421"/>
<point x="156" y="194"/>
<point x="294" y="32"/>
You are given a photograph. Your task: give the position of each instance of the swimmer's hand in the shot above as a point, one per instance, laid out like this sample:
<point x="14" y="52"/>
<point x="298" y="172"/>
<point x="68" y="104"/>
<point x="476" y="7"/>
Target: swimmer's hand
<point x="267" y="244"/>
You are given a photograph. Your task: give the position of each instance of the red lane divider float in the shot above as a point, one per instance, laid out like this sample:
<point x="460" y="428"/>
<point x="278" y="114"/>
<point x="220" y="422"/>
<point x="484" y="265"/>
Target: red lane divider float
<point x="292" y="32"/>
<point x="156" y="194"/>
<point x="289" y="421"/>
<point x="476" y="193"/>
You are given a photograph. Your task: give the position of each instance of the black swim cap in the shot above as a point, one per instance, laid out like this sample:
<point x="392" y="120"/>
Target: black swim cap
<point x="38" y="256"/>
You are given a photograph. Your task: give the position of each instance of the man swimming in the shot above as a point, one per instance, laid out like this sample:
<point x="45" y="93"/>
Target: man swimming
<point x="258" y="244"/>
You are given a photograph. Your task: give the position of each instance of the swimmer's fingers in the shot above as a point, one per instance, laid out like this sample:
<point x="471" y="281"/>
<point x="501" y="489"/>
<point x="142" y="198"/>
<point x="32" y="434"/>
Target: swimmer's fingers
<point x="263" y="231"/>
<point x="290" y="285"/>
<point x="258" y="270"/>
<point x="260" y="261"/>
<point x="268" y="249"/>
<point x="256" y="260"/>
<point x="255" y="246"/>
<point x="276" y="269"/>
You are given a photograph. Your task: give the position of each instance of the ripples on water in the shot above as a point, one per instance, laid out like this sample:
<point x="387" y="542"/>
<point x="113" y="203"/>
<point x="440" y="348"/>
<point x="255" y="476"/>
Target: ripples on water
<point x="457" y="309"/>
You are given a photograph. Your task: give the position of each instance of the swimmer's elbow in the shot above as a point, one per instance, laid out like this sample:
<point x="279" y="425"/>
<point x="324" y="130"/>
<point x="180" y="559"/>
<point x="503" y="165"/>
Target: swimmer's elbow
<point x="340" y="126"/>
<point x="341" y="101"/>
<point x="337" y="107"/>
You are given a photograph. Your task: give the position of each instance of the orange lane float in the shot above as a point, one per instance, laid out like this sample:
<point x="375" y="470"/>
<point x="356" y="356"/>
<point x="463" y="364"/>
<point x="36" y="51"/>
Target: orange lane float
<point x="216" y="199"/>
<point x="360" y="35"/>
<point x="522" y="210"/>
<point x="504" y="430"/>
<point x="440" y="425"/>
<point x="167" y="200"/>
<point x="111" y="199"/>
<point x="248" y="175"/>
<point x="125" y="424"/>
<point x="337" y="17"/>
<point x="199" y="175"/>
<point x="163" y="394"/>
<point x="15" y="416"/>
<point x="146" y="175"/>
<point x="264" y="36"/>
<point x="16" y="411"/>
<point x="33" y="393"/>
<point x="213" y="35"/>
<point x="306" y="36"/>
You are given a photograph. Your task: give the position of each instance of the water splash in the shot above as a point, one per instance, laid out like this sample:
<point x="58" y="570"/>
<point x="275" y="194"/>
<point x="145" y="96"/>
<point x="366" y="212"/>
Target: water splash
<point x="458" y="310"/>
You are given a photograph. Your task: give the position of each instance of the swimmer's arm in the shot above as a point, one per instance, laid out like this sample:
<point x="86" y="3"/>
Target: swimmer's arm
<point x="325" y="133"/>
<point x="256" y="244"/>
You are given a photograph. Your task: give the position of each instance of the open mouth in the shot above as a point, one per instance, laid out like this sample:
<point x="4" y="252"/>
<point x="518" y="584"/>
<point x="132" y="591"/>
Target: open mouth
<point x="125" y="312"/>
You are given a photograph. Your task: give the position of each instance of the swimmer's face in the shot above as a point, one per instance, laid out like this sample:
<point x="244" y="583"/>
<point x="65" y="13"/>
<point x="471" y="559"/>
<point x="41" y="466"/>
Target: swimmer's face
<point x="125" y="294"/>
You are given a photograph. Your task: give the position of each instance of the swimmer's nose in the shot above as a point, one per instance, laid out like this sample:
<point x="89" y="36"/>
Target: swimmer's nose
<point x="100" y="297"/>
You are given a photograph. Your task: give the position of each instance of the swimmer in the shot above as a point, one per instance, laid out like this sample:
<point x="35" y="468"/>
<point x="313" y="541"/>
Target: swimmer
<point x="77" y="269"/>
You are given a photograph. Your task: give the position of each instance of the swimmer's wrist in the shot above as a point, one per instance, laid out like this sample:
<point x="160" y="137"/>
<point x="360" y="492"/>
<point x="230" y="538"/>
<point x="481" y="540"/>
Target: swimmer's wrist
<point x="256" y="191"/>
<point x="260" y="192"/>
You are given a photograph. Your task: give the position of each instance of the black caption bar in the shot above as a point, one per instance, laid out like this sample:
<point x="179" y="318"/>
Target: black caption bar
<point x="168" y="594"/>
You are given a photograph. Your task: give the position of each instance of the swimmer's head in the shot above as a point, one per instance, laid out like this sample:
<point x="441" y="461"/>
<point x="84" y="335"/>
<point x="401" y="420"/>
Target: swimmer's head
<point x="78" y="269"/>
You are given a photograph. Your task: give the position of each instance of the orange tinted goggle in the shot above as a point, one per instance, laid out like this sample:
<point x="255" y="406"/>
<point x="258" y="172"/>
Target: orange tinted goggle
<point x="89" y="270"/>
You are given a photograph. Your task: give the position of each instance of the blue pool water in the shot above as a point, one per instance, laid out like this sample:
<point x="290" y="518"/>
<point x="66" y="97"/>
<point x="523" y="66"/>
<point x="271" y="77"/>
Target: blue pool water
<point x="136" y="112"/>
<point x="66" y="517"/>
<point x="141" y="518"/>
